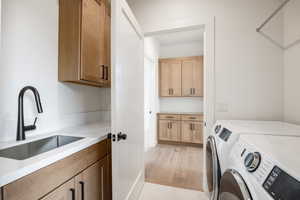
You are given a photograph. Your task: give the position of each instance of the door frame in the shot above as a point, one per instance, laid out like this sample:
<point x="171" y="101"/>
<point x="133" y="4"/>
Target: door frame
<point x="209" y="100"/>
<point x="119" y="8"/>
<point x="154" y="103"/>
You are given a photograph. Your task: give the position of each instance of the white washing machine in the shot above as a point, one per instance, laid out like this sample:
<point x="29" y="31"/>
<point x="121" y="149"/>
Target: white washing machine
<point x="223" y="137"/>
<point x="261" y="127"/>
<point x="230" y="131"/>
<point x="263" y="167"/>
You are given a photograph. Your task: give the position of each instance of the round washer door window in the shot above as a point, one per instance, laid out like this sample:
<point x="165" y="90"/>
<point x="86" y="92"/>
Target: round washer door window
<point x="212" y="168"/>
<point x="233" y="187"/>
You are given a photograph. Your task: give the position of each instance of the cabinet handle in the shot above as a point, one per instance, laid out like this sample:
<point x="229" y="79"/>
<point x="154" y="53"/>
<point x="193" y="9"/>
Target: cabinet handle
<point x="170" y="117"/>
<point x="102" y="67"/>
<point x="102" y="183"/>
<point x="82" y="189"/>
<point x="73" y="193"/>
<point x="107" y="67"/>
<point x="99" y="2"/>
<point x="191" y="126"/>
<point x="191" y="91"/>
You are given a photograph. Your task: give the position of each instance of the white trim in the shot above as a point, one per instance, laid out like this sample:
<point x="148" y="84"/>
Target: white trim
<point x="137" y="187"/>
<point x="209" y="67"/>
<point x="131" y="18"/>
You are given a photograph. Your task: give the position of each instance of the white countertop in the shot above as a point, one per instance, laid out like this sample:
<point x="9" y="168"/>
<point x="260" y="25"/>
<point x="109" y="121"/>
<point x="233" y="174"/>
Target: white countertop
<point x="11" y="170"/>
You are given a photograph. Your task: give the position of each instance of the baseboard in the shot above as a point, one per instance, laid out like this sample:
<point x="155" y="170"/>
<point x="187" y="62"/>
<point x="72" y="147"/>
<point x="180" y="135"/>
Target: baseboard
<point x="135" y="191"/>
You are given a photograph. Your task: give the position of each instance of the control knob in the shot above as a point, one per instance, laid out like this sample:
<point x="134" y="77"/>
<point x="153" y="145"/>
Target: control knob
<point x="217" y="128"/>
<point x="252" y="161"/>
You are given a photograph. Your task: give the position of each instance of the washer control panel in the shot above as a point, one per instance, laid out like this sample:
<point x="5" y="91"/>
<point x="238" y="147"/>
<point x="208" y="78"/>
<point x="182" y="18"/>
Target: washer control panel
<point x="282" y="186"/>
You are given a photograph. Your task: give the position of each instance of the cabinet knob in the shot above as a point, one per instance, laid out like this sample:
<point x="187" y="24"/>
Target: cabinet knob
<point x="121" y="136"/>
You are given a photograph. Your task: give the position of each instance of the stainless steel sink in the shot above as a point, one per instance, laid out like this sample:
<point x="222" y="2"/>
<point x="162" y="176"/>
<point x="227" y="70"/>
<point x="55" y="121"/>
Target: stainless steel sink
<point x="28" y="150"/>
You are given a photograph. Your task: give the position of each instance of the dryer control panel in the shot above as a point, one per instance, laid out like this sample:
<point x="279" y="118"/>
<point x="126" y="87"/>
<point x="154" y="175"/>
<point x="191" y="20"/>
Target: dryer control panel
<point x="282" y="186"/>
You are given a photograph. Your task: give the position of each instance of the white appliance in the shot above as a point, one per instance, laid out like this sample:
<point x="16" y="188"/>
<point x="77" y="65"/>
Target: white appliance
<point x="224" y="136"/>
<point x="263" y="167"/>
<point x="261" y="127"/>
<point x="229" y="132"/>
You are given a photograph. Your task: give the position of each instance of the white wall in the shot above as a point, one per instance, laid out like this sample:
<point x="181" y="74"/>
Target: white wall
<point x="181" y="49"/>
<point x="30" y="57"/>
<point x="292" y="63"/>
<point x="249" y="81"/>
<point x="181" y="104"/>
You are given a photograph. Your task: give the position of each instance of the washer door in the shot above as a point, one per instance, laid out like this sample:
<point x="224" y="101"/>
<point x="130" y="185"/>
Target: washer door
<point x="233" y="187"/>
<point x="213" y="173"/>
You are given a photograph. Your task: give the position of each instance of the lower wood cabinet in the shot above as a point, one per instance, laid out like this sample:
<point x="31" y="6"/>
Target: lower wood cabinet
<point x="180" y="128"/>
<point x="191" y="132"/>
<point x="64" y="192"/>
<point x="85" y="175"/>
<point x="169" y="130"/>
<point x="92" y="183"/>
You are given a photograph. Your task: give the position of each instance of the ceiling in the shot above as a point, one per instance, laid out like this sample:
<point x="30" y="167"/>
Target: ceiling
<point x="180" y="37"/>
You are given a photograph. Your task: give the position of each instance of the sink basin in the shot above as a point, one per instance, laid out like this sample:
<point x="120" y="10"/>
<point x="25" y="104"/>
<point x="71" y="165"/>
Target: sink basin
<point x="28" y="150"/>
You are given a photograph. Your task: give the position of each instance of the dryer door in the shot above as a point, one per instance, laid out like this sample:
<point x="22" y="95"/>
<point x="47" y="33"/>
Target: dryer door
<point x="233" y="187"/>
<point x="213" y="173"/>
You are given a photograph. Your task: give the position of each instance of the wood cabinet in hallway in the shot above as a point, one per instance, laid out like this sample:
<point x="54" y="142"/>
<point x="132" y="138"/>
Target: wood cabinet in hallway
<point x="180" y="128"/>
<point x="170" y="78"/>
<point x="181" y="77"/>
<point x="192" y="77"/>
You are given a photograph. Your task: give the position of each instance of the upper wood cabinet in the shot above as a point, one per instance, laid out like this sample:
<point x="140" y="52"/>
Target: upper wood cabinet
<point x="181" y="77"/>
<point x="170" y="78"/>
<point x="192" y="76"/>
<point x="84" y="42"/>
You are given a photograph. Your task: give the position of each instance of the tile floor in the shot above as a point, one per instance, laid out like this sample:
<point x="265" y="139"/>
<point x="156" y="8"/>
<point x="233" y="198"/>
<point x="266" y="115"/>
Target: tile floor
<point x="160" y="192"/>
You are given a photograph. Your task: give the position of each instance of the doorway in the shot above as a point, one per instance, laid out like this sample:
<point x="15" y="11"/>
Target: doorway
<point x="150" y="107"/>
<point x="177" y="161"/>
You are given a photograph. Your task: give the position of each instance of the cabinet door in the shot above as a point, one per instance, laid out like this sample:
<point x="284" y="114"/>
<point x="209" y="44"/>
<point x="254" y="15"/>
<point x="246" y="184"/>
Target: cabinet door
<point x="192" y="76"/>
<point x="107" y="57"/>
<point x="93" y="183"/>
<point x="175" y="134"/>
<point x="187" y="131"/>
<point x="64" y="192"/>
<point x="198" y="132"/>
<point x="93" y="41"/>
<point x="170" y="77"/>
<point x="164" y="130"/>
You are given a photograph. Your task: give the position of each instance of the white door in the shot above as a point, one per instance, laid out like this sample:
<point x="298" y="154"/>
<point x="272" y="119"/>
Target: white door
<point x="127" y="101"/>
<point x="150" y="119"/>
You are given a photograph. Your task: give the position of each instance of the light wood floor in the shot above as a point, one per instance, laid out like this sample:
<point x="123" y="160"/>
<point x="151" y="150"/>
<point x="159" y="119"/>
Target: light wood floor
<point x="177" y="166"/>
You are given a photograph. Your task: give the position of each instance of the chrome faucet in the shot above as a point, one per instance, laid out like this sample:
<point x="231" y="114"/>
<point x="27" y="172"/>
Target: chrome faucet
<point x="21" y="128"/>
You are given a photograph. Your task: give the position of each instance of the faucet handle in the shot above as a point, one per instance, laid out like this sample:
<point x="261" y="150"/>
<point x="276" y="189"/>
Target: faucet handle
<point x="35" y="119"/>
<point x="31" y="127"/>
